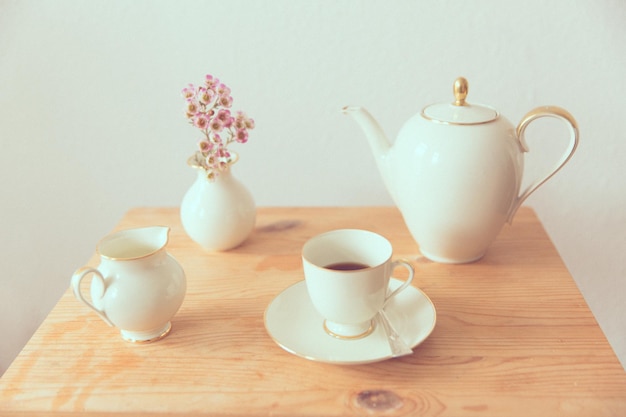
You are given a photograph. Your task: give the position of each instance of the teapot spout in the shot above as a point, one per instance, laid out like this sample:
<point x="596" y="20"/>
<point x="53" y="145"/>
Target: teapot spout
<point x="376" y="137"/>
<point x="379" y="145"/>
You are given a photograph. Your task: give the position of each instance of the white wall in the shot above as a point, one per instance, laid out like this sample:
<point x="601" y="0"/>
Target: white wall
<point x="91" y="117"/>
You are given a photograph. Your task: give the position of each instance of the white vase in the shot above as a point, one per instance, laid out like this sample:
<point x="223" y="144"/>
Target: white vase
<point x="219" y="214"/>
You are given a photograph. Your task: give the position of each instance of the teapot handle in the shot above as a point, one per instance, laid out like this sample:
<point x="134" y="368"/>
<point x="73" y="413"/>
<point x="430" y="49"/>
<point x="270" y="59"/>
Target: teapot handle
<point x="77" y="278"/>
<point x="545" y="111"/>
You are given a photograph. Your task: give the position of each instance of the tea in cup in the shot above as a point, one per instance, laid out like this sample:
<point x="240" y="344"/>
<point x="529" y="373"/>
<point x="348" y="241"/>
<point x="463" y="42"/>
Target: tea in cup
<point x="347" y="273"/>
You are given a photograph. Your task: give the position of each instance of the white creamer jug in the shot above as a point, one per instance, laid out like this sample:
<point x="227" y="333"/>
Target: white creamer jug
<point x="138" y="286"/>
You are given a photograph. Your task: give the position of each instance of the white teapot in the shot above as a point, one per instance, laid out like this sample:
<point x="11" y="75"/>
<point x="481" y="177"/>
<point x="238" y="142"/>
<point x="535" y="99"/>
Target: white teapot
<point x="455" y="172"/>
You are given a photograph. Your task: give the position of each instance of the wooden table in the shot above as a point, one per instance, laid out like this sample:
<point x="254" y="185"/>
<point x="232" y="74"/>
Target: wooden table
<point x="514" y="337"/>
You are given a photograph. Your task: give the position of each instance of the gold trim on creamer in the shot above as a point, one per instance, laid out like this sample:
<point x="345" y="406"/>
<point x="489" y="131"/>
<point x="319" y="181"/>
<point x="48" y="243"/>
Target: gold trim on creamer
<point x="132" y="258"/>
<point x="151" y="340"/>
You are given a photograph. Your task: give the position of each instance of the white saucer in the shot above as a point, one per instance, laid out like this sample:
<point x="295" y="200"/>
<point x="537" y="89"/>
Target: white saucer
<point x="294" y="324"/>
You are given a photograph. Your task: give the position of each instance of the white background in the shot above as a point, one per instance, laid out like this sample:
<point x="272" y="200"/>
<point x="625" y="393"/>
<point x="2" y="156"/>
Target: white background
<point x="91" y="117"/>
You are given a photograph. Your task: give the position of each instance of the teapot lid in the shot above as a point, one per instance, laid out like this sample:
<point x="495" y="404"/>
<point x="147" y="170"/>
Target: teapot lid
<point x="459" y="112"/>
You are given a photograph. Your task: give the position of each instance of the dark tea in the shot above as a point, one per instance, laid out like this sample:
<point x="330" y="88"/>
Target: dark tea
<point x="346" y="266"/>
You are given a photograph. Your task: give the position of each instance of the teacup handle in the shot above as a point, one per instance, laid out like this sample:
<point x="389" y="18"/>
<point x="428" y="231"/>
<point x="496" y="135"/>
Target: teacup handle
<point x="546" y="111"/>
<point x="407" y="265"/>
<point x="76" y="280"/>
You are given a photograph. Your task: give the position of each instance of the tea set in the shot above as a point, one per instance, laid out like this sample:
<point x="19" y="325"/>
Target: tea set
<point x="454" y="171"/>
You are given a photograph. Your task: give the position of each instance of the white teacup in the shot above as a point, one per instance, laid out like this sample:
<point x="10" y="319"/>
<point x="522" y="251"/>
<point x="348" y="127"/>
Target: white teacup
<point x="347" y="274"/>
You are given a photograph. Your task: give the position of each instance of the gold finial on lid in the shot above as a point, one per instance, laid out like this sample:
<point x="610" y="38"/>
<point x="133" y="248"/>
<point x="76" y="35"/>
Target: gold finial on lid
<point x="460" y="91"/>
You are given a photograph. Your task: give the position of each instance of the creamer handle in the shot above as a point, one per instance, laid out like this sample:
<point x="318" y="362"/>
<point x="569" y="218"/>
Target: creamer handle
<point x="545" y="111"/>
<point x="76" y="280"/>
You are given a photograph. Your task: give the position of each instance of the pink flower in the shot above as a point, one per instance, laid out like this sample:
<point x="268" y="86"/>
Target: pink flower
<point x="205" y="95"/>
<point x="216" y="124"/>
<point x="225" y="117"/>
<point x="241" y="136"/>
<point x="189" y="91"/>
<point x="192" y="108"/>
<point x="225" y="101"/>
<point x="217" y="139"/>
<point x="222" y="152"/>
<point x="204" y="145"/>
<point x="243" y="122"/>
<point x="211" y="81"/>
<point x="201" y="121"/>
<point x="223" y="90"/>
<point x="207" y="107"/>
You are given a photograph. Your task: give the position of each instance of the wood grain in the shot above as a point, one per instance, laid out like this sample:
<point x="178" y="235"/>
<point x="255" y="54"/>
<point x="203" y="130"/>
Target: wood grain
<point x="514" y="337"/>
